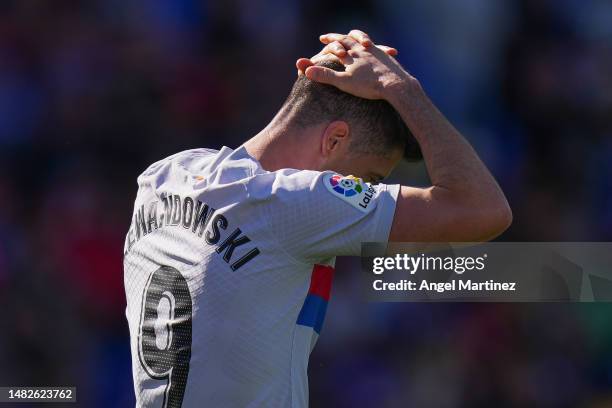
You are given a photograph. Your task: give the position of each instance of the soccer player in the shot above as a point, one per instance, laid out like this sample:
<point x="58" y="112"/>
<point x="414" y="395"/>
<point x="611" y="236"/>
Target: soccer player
<point x="230" y="255"/>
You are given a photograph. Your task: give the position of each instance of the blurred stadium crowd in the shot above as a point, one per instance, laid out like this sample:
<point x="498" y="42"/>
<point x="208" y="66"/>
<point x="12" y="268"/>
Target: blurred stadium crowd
<point x="92" y="92"/>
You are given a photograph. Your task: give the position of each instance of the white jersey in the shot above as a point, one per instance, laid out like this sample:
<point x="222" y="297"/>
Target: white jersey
<point x="228" y="271"/>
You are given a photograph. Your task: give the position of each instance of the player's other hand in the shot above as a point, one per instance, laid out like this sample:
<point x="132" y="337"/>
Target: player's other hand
<point x="370" y="70"/>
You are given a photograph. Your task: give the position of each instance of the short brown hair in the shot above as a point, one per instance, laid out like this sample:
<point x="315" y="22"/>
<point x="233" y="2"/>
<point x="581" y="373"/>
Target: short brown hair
<point x="377" y="125"/>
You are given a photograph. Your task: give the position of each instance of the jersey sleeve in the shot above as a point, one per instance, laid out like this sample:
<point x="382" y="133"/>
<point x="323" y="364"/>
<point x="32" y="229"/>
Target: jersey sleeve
<point x="318" y="215"/>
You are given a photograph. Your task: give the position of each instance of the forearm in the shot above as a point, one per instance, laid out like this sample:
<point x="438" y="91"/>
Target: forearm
<point x="455" y="170"/>
<point x="469" y="203"/>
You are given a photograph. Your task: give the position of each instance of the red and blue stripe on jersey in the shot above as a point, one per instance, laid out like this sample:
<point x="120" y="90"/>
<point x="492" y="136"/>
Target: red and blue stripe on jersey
<point x="315" y="305"/>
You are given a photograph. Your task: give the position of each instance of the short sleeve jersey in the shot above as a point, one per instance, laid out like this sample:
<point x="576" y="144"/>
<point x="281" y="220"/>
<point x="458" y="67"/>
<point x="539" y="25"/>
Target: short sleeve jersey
<point x="228" y="271"/>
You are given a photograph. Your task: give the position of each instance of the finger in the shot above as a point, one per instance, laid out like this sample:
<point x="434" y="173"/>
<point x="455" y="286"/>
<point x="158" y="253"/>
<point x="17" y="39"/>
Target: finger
<point x="331" y="57"/>
<point x="327" y="38"/>
<point x="388" y="50"/>
<point x="326" y="75"/>
<point x="345" y="40"/>
<point x="353" y="53"/>
<point x="362" y="37"/>
<point x="303" y="63"/>
<point x="328" y="56"/>
<point x="335" y="48"/>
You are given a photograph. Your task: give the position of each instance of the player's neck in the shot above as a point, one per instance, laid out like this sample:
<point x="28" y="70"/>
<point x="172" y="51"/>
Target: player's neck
<point x="279" y="146"/>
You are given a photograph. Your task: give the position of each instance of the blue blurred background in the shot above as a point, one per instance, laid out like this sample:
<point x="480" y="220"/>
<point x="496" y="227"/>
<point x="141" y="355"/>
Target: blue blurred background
<point x="92" y="92"/>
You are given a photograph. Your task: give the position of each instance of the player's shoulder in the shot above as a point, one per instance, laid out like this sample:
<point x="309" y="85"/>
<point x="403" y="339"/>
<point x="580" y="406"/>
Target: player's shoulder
<point x="184" y="157"/>
<point x="324" y="186"/>
<point x="264" y="183"/>
<point x="175" y="166"/>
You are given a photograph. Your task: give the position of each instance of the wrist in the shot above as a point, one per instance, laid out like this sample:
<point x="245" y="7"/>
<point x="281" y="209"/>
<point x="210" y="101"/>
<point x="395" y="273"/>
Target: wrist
<point x="404" y="88"/>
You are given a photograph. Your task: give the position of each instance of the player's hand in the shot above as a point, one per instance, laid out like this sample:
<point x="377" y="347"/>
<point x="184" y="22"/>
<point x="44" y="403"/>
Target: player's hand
<point x="335" y="51"/>
<point x="370" y="72"/>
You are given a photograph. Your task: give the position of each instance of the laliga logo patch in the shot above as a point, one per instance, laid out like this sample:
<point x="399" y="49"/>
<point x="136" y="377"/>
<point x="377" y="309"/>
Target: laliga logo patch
<point x="347" y="186"/>
<point x="350" y="189"/>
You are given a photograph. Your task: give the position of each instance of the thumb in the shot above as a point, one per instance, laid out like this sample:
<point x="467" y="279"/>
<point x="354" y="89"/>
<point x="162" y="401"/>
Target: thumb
<point x="303" y="63"/>
<point x="325" y="75"/>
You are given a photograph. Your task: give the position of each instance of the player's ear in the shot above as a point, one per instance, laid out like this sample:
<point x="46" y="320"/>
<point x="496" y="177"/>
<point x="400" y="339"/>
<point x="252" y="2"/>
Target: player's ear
<point x="335" y="138"/>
